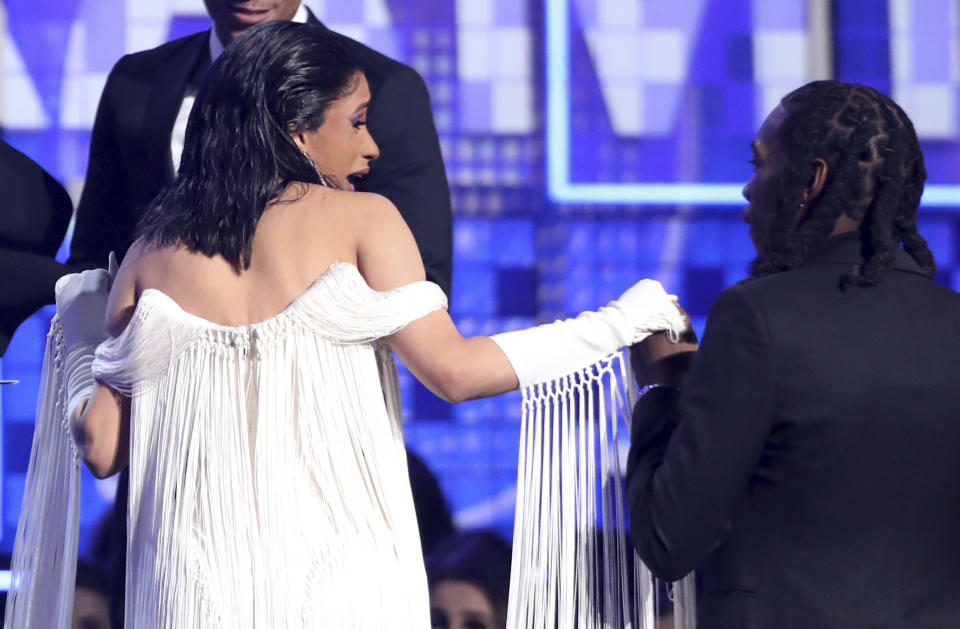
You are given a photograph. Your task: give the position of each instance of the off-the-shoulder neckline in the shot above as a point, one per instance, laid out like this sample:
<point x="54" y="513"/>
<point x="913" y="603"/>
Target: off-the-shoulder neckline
<point x="150" y="294"/>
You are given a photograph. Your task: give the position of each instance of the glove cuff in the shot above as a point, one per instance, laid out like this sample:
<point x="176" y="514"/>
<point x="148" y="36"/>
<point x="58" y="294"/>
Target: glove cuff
<point x="78" y="374"/>
<point x="555" y="349"/>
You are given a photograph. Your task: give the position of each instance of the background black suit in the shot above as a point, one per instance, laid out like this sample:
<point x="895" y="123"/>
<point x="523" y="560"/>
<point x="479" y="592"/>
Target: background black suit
<point x="35" y="213"/>
<point x="814" y="471"/>
<point x="130" y="157"/>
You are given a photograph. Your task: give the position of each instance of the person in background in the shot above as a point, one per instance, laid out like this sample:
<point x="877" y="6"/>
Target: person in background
<point x="469" y="575"/>
<point x="434" y="520"/>
<point x="91" y="608"/>
<point x="806" y="464"/>
<point x="139" y="129"/>
<point x="33" y="221"/>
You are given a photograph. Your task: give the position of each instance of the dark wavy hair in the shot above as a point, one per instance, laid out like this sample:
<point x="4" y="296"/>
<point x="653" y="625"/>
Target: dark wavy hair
<point x="481" y="558"/>
<point x="275" y="80"/>
<point x="875" y="175"/>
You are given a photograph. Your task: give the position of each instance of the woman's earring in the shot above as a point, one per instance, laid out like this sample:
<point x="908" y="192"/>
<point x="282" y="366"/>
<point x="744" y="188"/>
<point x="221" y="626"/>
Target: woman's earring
<point x="323" y="180"/>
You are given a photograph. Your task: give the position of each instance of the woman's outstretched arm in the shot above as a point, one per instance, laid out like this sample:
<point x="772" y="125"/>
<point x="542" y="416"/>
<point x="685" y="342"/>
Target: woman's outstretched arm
<point x="457" y="368"/>
<point x="451" y="366"/>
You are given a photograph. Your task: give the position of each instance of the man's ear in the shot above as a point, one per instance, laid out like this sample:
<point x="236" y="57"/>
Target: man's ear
<point x="818" y="179"/>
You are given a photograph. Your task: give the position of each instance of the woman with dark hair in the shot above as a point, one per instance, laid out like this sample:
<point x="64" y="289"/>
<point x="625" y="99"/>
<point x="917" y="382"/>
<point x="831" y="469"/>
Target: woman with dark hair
<point x="249" y="385"/>
<point x="469" y="575"/>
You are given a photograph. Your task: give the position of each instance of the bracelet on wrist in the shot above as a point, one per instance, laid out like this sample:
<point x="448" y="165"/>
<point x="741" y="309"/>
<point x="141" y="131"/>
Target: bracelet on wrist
<point x="657" y="385"/>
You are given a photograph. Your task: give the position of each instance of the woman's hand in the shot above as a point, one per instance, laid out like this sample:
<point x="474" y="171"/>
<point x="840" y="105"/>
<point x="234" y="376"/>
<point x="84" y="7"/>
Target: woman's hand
<point x="82" y="304"/>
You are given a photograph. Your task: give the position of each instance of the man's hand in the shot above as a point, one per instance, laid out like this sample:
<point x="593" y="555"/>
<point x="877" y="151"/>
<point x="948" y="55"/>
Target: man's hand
<point x="657" y="360"/>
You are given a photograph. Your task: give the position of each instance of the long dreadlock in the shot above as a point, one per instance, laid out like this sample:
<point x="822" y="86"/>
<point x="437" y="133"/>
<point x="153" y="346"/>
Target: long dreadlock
<point x="875" y="175"/>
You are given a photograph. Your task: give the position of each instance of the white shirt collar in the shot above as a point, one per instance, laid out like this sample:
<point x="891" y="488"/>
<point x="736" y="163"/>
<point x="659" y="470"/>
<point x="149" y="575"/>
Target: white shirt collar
<point x="216" y="47"/>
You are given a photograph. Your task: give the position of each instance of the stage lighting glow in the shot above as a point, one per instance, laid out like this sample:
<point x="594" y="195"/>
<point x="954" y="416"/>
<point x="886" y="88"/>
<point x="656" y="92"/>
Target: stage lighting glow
<point x="562" y="190"/>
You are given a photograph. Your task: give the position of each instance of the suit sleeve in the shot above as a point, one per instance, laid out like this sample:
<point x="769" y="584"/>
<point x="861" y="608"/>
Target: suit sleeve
<point x="102" y="223"/>
<point x="27" y="284"/>
<point x="35" y="209"/>
<point x="410" y="169"/>
<point x="34" y="215"/>
<point x="692" y="453"/>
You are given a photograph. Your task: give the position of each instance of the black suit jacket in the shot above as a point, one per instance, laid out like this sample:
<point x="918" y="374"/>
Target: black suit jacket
<point x="130" y="159"/>
<point x="810" y="466"/>
<point x="36" y="212"/>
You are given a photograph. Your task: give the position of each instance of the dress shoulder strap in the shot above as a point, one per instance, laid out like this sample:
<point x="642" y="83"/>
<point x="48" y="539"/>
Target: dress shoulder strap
<point x="342" y="306"/>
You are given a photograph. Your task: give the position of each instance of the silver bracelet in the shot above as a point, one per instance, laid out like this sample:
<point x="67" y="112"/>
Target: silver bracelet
<point x="656" y="385"/>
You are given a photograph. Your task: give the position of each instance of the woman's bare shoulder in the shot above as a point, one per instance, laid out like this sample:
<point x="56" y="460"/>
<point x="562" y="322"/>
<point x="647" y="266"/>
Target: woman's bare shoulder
<point x="366" y="203"/>
<point x="123" y="291"/>
<point x="138" y="270"/>
<point x="358" y="215"/>
<point x="371" y="212"/>
<point x="145" y="258"/>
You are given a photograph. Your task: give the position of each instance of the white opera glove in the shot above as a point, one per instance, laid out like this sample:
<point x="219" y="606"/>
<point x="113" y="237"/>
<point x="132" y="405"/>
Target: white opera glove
<point x="82" y="306"/>
<point x="549" y="351"/>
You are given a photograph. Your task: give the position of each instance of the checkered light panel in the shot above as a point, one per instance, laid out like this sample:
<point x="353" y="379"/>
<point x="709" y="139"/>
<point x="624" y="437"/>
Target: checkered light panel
<point x="659" y="92"/>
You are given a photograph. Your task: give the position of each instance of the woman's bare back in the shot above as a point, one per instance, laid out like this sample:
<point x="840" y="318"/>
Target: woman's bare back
<point x="296" y="240"/>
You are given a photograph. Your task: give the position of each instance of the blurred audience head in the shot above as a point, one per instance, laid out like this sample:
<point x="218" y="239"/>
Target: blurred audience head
<point x="469" y="577"/>
<point x="835" y="157"/>
<point x="433" y="515"/>
<point x="91" y="606"/>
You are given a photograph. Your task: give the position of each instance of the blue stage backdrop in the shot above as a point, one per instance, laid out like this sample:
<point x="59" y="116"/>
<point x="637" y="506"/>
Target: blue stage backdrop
<point x="588" y="143"/>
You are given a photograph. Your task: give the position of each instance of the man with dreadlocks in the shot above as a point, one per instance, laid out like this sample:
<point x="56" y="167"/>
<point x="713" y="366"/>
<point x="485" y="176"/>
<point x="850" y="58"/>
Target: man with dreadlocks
<point x="808" y="464"/>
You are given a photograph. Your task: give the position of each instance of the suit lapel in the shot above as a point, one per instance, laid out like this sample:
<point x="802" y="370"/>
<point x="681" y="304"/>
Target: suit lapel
<point x="167" y="93"/>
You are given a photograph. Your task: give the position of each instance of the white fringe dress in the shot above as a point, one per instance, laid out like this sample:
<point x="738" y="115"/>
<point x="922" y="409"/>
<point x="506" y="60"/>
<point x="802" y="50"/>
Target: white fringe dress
<point x="268" y="479"/>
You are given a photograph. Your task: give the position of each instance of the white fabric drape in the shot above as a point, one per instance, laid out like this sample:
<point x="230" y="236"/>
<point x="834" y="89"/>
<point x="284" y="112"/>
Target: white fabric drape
<point x="572" y="565"/>
<point x="44" y="562"/>
<point x="268" y="480"/>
